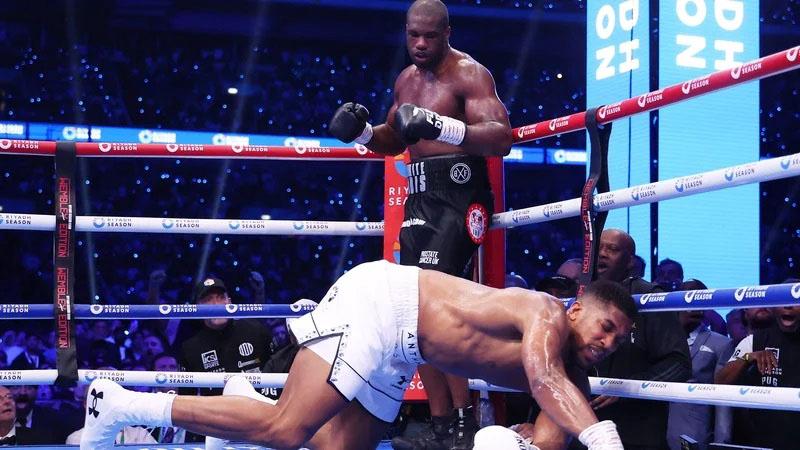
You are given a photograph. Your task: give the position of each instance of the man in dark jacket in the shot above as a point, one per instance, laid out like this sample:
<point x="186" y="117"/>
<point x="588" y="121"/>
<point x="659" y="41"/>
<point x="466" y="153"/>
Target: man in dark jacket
<point x="657" y="351"/>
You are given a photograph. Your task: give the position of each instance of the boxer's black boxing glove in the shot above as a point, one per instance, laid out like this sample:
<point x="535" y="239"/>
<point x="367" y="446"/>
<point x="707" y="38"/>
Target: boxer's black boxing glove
<point x="349" y="123"/>
<point x="415" y="123"/>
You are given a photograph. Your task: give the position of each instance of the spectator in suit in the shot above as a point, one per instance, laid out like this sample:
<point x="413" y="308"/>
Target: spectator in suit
<point x="11" y="433"/>
<point x="42" y="421"/>
<point x="31" y="357"/>
<point x="709" y="351"/>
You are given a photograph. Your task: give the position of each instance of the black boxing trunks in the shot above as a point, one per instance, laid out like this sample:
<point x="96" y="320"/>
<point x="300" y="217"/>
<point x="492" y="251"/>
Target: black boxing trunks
<point x="447" y="213"/>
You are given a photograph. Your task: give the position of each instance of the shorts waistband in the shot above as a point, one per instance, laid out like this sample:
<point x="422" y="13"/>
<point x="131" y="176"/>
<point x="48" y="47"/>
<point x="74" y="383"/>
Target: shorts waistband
<point x="404" y="292"/>
<point x="441" y="173"/>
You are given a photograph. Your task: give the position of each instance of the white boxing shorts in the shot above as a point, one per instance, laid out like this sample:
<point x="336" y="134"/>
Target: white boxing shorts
<point x="366" y="328"/>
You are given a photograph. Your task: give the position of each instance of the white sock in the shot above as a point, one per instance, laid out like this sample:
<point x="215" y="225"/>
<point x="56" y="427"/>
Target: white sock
<point x="150" y="409"/>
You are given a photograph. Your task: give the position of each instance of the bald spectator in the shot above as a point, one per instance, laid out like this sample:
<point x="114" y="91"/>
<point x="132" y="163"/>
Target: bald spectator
<point x="515" y="280"/>
<point x="657" y="351"/>
<point x="570" y="268"/>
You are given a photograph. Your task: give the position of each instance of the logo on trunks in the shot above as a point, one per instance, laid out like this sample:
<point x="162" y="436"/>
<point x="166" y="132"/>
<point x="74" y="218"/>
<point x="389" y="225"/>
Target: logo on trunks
<point x="209" y="359"/>
<point x="796" y="290"/>
<point x="738" y="71"/>
<point x="700" y="294"/>
<point x="234" y="224"/>
<point x="791" y="54"/>
<point x="460" y="173"/>
<point x="750" y="293"/>
<point x="477" y="222"/>
<point x="246" y="349"/>
<point x="429" y="257"/>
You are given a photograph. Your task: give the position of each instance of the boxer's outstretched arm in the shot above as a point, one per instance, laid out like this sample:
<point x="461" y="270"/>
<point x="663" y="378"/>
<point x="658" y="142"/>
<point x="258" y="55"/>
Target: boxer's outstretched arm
<point x="543" y="345"/>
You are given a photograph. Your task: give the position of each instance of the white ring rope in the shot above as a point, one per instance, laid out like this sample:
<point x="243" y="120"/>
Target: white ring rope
<point x="728" y="177"/>
<point x="707" y="394"/>
<point x="113" y="224"/>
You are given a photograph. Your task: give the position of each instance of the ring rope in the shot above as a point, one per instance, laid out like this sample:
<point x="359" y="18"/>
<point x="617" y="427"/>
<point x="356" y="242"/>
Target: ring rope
<point x="757" y="69"/>
<point x="761" y="296"/>
<point x="709" y="394"/>
<point x="728" y="177"/>
<point x="780" y="398"/>
<point x="161" y="225"/>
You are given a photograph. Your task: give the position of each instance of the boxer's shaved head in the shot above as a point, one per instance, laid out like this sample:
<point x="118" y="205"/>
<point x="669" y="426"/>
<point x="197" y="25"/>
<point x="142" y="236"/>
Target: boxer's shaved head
<point x="433" y="9"/>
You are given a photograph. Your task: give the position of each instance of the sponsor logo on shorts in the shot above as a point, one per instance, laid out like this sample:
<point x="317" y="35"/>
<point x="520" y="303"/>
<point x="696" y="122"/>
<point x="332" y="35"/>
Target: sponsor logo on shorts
<point x="246" y="349"/>
<point x="791" y="54"/>
<point x="412" y="222"/>
<point x="796" y="290"/>
<point x="209" y="359"/>
<point x="750" y="293"/>
<point x="429" y="257"/>
<point x="477" y="222"/>
<point x="698" y="295"/>
<point x="460" y="173"/>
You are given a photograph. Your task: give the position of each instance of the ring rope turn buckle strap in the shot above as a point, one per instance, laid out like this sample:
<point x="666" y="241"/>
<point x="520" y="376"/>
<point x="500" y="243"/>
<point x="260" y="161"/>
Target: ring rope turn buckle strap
<point x="593" y="221"/>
